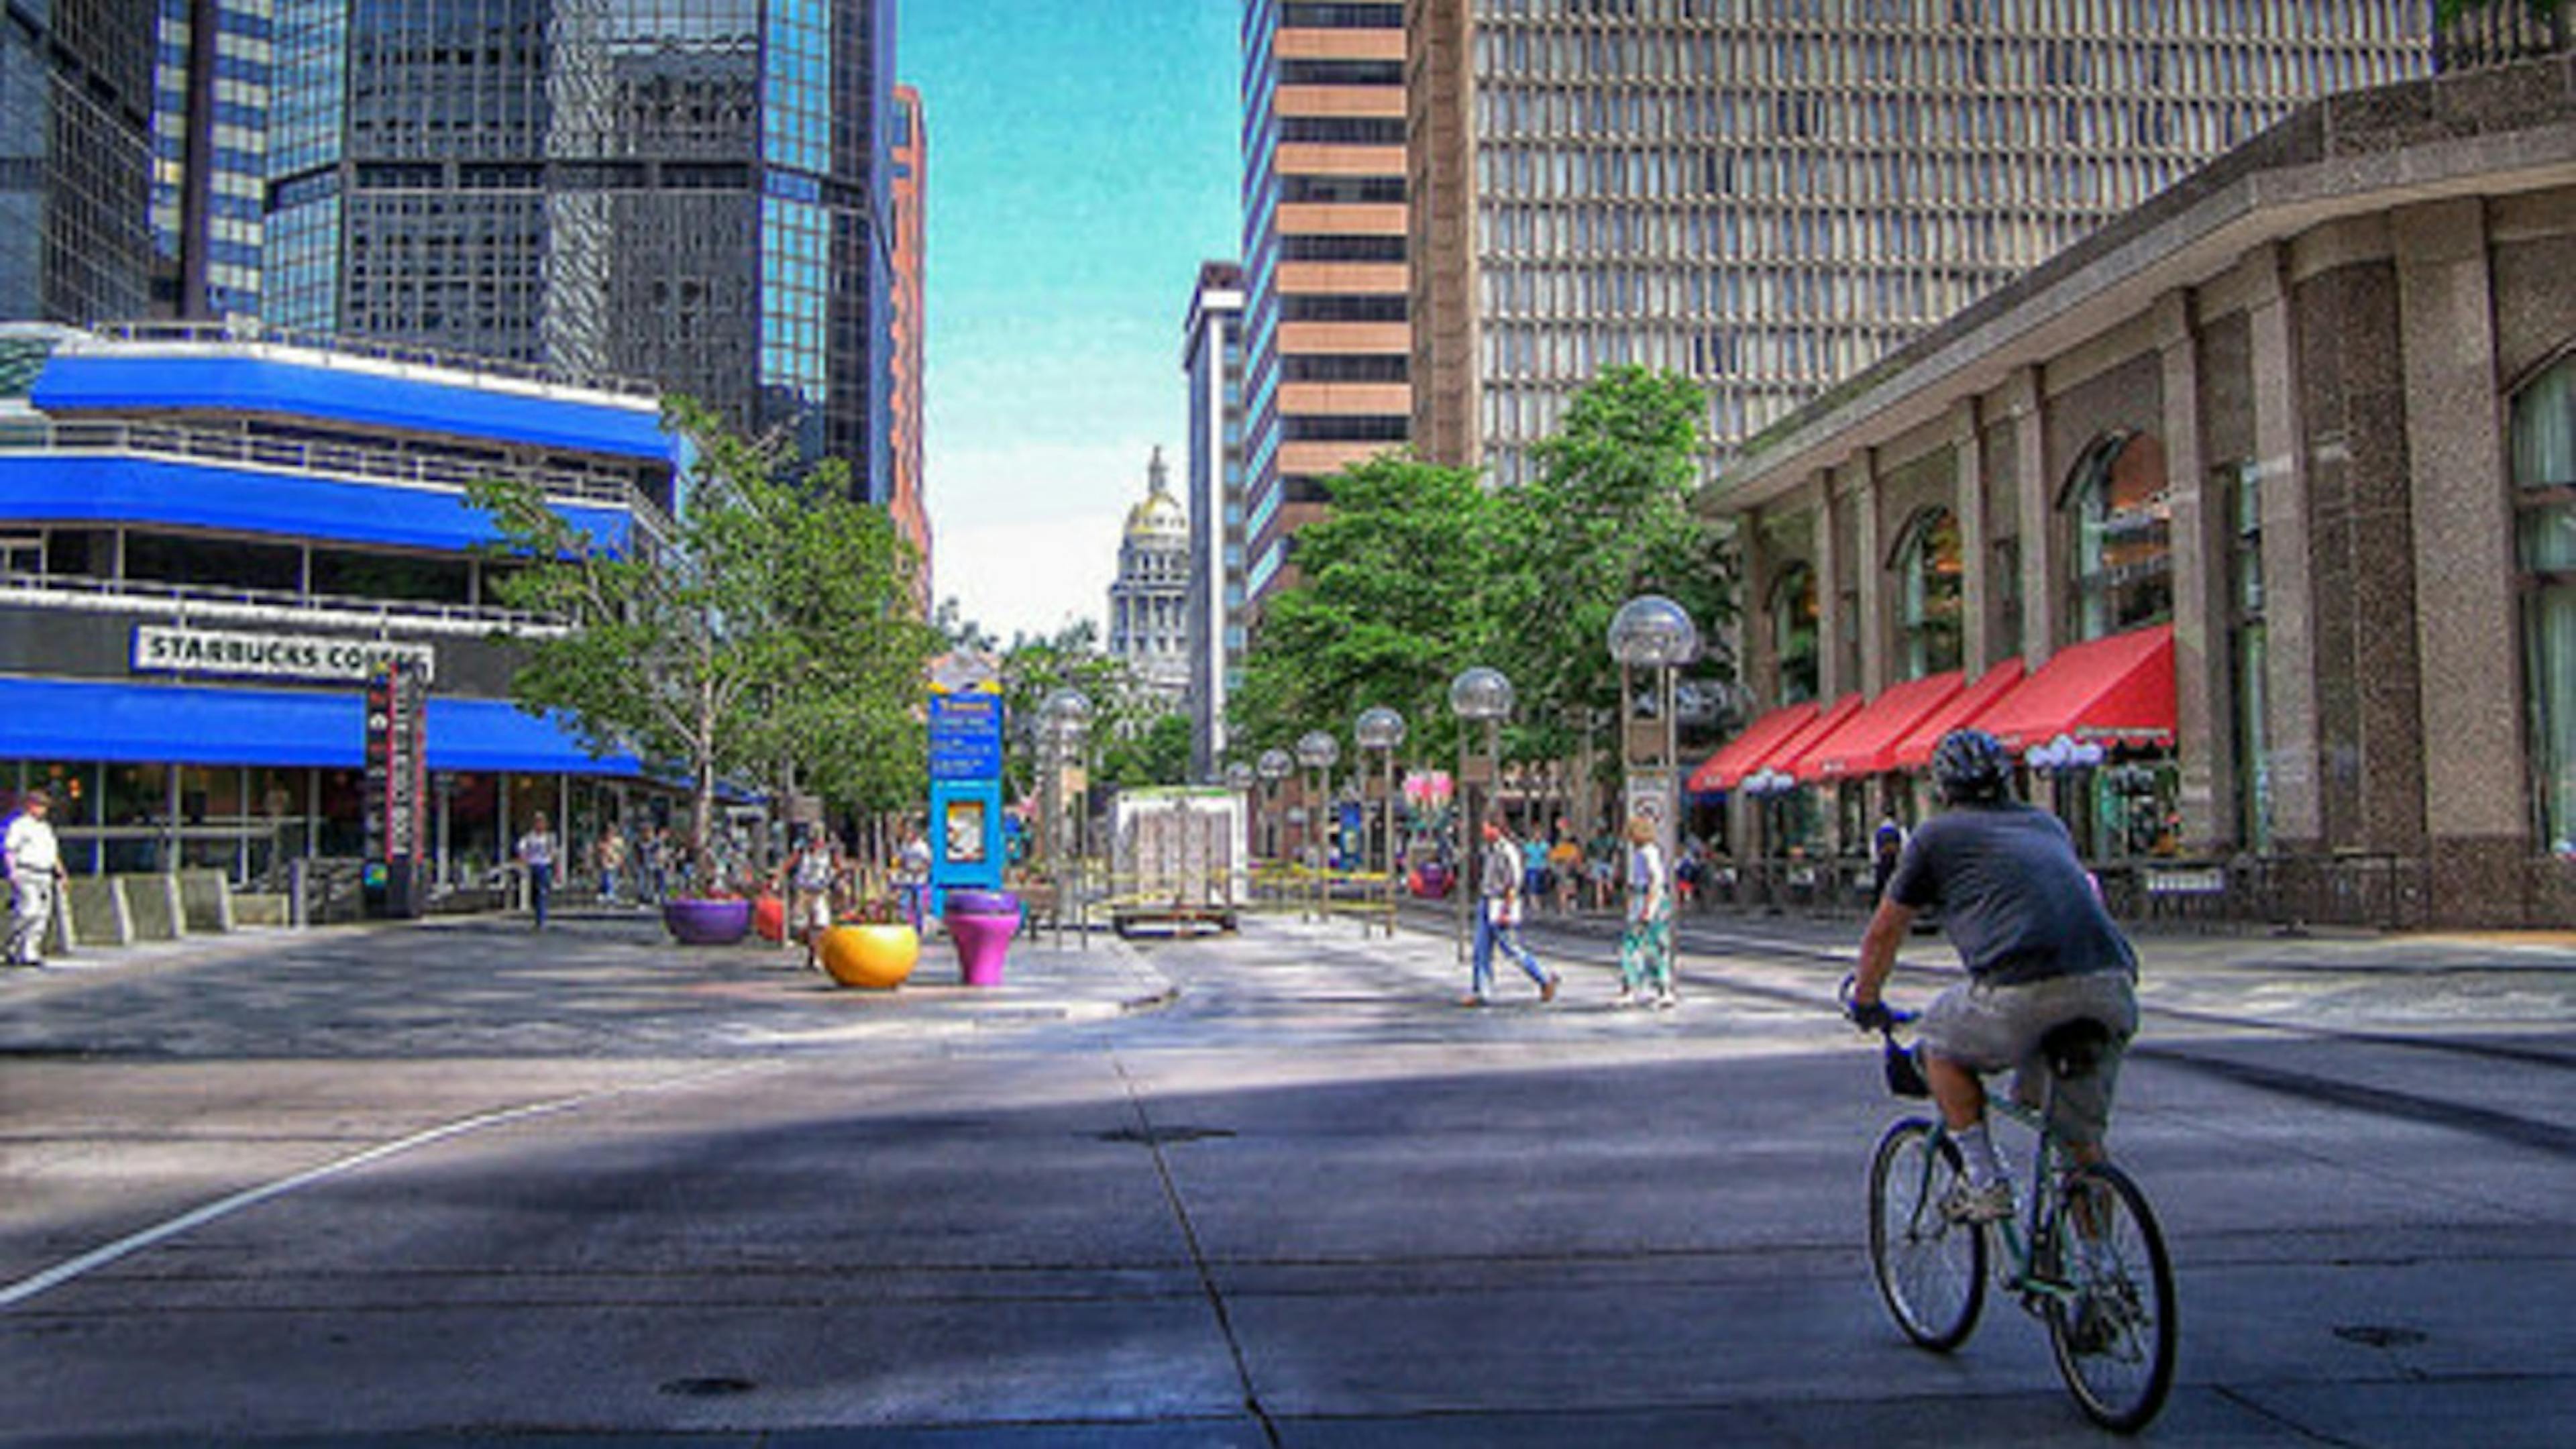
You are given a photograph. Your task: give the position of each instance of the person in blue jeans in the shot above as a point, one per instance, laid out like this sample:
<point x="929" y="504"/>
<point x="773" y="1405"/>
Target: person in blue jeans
<point x="537" y="851"/>
<point x="1498" y="917"/>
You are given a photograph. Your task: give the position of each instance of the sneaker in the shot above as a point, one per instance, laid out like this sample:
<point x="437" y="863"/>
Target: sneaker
<point x="1471" y="999"/>
<point x="1547" y="990"/>
<point x="1625" y="997"/>
<point x="1968" y="1203"/>
<point x="1666" y="1001"/>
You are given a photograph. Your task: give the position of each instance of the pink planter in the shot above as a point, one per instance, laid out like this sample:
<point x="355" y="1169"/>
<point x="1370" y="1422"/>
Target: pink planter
<point x="983" y="939"/>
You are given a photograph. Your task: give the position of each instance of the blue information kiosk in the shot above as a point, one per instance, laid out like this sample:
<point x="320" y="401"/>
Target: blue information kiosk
<point x="966" y="844"/>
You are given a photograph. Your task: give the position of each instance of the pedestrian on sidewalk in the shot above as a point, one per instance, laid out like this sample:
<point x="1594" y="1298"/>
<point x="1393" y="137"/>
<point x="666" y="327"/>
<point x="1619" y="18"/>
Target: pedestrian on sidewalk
<point x="537" y="851"/>
<point x="611" y="853"/>
<point x="810" y="876"/>
<point x="1498" y="918"/>
<point x="1565" y="864"/>
<point x="912" y="874"/>
<point x="35" y="862"/>
<point x="1886" y="847"/>
<point x="1646" y="946"/>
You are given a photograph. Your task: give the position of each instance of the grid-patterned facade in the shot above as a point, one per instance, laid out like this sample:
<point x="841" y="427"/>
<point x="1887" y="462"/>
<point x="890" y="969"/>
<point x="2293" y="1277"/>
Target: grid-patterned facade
<point x="1325" y="336"/>
<point x="908" y="181"/>
<point x="691" y="191"/>
<point x="75" y="161"/>
<point x="210" y="117"/>
<point x="1769" y="198"/>
<point x="1212" y="359"/>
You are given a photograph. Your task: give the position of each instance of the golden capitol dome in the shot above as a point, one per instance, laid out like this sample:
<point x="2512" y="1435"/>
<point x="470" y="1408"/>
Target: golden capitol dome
<point x="1160" y="518"/>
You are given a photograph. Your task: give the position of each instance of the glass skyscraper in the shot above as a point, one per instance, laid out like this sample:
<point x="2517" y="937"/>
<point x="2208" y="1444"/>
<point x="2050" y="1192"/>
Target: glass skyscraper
<point x="693" y="192"/>
<point x="76" y="80"/>
<point x="210" y="109"/>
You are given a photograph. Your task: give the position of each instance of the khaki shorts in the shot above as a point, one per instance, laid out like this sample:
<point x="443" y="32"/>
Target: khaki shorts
<point x="1989" y="1028"/>
<point x="808" y="910"/>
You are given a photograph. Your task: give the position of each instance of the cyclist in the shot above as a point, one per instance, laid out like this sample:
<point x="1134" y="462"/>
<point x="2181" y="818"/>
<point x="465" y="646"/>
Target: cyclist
<point x="2040" y="951"/>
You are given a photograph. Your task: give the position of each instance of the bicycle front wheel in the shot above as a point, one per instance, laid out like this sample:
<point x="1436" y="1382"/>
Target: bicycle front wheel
<point x="2114" y="1335"/>
<point x="1931" y="1270"/>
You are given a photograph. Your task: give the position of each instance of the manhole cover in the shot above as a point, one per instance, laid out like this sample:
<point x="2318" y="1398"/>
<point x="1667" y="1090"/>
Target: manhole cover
<point x="2380" y="1335"/>
<point x="1160" y="1136"/>
<point x="706" y="1388"/>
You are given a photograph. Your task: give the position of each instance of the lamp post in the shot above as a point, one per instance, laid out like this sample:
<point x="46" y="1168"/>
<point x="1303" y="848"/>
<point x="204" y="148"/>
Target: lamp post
<point x="1382" y="729"/>
<point x="1318" y="751"/>
<point x="1064" y="715"/>
<point x="1275" y="765"/>
<point x="1652" y="632"/>
<point x="1477" y="695"/>
<point x="1238" y="778"/>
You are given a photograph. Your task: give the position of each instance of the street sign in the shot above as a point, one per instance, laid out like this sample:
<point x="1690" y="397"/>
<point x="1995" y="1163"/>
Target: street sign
<point x="965" y="736"/>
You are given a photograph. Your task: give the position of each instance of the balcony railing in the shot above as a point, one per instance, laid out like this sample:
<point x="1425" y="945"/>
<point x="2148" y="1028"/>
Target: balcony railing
<point x="269" y="606"/>
<point x="288" y="455"/>
<point x="250" y="332"/>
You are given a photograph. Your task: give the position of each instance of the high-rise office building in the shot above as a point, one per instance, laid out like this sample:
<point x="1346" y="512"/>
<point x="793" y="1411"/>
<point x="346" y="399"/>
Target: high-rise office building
<point x="1325" y="342"/>
<point x="693" y="193"/>
<point x="210" y="108"/>
<point x="909" y="185"/>
<point x="1769" y="198"/>
<point x="1148" y="598"/>
<point x="1212" y="358"/>
<point x="75" y="161"/>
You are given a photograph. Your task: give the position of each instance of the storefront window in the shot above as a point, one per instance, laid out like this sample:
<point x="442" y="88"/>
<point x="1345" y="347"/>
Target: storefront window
<point x="1928" y="594"/>
<point x="1793" y="632"/>
<point x="2544" y="477"/>
<point x="2122" y="514"/>
<point x="134" y="816"/>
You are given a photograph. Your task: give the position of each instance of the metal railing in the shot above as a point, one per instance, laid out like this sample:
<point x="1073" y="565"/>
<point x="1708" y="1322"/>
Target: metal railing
<point x="61" y="591"/>
<point x="2371" y="891"/>
<point x="252" y="332"/>
<point x="288" y="455"/>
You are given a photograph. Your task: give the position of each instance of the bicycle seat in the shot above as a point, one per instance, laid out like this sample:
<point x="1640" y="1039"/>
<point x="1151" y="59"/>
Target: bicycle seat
<point x="2073" y="1049"/>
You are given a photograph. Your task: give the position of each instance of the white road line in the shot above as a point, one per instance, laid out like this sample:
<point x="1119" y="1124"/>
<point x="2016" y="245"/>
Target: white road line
<point x="224" y="1207"/>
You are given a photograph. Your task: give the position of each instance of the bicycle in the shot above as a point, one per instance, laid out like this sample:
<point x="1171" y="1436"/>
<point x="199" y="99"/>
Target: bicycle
<point x="2086" y="1257"/>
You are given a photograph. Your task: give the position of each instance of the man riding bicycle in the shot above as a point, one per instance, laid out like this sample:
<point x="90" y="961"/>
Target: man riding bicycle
<point x="2040" y="951"/>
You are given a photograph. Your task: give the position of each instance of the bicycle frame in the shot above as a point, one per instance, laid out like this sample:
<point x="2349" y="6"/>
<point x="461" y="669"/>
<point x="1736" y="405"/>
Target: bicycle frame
<point x="2018" y="1268"/>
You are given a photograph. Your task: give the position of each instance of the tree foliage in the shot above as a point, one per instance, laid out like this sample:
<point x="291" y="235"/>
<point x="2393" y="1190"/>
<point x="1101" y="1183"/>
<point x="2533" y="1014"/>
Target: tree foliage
<point x="1128" y="736"/>
<point x="772" y="637"/>
<point x="1609" y="517"/>
<point x="1387" y="609"/>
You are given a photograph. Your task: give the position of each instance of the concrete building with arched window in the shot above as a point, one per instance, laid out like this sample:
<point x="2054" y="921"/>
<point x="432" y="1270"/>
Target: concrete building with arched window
<point x="2249" y="523"/>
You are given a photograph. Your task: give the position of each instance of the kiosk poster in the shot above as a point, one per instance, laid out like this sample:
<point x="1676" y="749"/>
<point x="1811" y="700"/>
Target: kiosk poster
<point x="965" y="736"/>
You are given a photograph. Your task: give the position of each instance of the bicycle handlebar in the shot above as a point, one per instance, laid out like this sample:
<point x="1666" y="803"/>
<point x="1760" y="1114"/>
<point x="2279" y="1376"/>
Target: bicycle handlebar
<point x="1890" y="1017"/>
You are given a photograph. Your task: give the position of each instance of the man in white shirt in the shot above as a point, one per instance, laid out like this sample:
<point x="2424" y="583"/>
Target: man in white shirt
<point x="35" y="870"/>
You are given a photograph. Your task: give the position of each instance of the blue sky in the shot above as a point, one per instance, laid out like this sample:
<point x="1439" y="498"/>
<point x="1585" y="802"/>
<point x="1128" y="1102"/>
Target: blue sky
<point x="1084" y="159"/>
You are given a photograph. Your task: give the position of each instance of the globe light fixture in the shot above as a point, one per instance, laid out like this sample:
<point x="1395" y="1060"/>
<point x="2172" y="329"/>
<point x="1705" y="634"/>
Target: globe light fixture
<point x="1382" y="729"/>
<point x="1480" y="694"/>
<point x="1652" y="632"/>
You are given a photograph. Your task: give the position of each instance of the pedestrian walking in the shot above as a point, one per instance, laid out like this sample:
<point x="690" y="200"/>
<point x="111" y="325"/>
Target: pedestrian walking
<point x="809" y="877"/>
<point x="1646" y="946"/>
<point x="35" y="862"/>
<point x="1886" y="847"/>
<point x="1498" y="919"/>
<point x="537" y="851"/>
<point x="1565" y="865"/>
<point x="610" y="853"/>
<point x="912" y="874"/>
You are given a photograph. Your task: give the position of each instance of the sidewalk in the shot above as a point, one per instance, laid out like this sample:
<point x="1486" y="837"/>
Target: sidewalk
<point x="596" y="983"/>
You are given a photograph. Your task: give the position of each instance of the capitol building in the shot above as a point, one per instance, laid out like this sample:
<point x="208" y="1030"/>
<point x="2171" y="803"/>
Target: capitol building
<point x="1148" y="619"/>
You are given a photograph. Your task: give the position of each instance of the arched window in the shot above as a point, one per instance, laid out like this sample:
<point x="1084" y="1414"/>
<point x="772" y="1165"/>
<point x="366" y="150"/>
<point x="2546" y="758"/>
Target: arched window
<point x="2544" y="484"/>
<point x="2122" y="514"/>
<point x="1793" y="632"/>
<point x="1928" y="594"/>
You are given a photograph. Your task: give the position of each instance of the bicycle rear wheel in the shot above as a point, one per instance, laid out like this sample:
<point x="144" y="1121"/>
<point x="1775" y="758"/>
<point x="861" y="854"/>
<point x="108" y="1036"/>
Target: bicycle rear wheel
<point x="2114" y="1337"/>
<point x="1931" y="1271"/>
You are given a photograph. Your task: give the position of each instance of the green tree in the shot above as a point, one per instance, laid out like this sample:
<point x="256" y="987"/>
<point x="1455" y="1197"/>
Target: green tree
<point x="1035" y="666"/>
<point x="1608" y="517"/>
<point x="1386" y="610"/>
<point x="771" y="636"/>
<point x="1159" y="754"/>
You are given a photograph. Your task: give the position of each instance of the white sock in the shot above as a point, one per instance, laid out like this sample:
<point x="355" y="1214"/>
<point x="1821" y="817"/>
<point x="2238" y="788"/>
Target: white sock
<point x="1984" y="1166"/>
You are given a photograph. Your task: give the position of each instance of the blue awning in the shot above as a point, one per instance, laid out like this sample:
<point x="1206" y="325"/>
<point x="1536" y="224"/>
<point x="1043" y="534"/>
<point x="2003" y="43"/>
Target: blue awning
<point x="78" y="719"/>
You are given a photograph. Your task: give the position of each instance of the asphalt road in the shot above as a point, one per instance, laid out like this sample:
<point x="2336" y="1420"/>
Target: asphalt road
<point x="460" y="1185"/>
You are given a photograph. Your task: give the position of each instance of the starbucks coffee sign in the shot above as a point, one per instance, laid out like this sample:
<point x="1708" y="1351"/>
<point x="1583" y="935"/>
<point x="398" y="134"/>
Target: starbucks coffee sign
<point x="178" y="649"/>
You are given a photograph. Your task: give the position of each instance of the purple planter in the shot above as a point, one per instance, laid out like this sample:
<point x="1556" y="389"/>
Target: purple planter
<point x="981" y="903"/>
<point x="982" y="938"/>
<point x="707" y="923"/>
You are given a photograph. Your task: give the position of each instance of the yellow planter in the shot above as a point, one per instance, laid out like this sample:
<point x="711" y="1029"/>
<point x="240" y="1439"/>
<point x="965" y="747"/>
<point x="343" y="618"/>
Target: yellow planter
<point x="879" y="958"/>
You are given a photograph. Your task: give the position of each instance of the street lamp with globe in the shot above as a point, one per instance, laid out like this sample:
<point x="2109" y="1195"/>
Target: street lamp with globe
<point x="1274" y="766"/>
<point x="1382" y="729"/>
<point x="1319" y="751"/>
<point x="1064" y="717"/>
<point x="1651" y="632"/>
<point x="1479" y="695"/>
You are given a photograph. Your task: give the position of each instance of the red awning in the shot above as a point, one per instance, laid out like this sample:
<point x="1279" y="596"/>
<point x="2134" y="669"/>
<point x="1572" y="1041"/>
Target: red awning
<point x="1914" y="750"/>
<point x="1793" y="757"/>
<point x="2120" y="688"/>
<point x="1866" y="743"/>
<point x="1744" y="754"/>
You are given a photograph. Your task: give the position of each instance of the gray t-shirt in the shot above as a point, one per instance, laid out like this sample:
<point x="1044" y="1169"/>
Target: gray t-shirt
<point x="2014" y="898"/>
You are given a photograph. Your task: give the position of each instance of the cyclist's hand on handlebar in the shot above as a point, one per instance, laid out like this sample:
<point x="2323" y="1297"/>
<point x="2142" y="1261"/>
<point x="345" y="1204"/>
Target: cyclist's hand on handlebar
<point x="1870" y="1015"/>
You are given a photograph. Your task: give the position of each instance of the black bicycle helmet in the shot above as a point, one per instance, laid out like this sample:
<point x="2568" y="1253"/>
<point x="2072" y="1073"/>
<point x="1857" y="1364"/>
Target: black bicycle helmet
<point x="1970" y="767"/>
